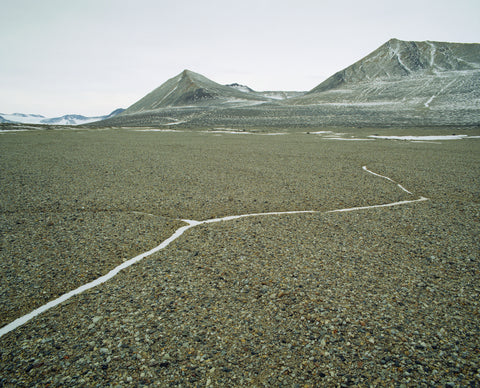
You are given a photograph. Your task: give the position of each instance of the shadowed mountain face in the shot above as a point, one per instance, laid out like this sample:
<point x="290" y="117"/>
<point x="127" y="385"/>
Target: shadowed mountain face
<point x="399" y="84"/>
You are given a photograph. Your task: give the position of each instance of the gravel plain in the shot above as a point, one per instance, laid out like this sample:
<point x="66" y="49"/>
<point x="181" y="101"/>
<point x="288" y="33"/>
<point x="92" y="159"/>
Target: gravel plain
<point x="375" y="297"/>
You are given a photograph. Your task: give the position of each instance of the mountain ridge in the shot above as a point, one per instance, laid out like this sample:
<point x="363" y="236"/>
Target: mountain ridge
<point x="401" y="83"/>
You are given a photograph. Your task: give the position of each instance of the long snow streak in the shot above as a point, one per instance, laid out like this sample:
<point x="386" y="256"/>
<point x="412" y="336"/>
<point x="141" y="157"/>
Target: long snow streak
<point x="190" y="224"/>
<point x="102" y="279"/>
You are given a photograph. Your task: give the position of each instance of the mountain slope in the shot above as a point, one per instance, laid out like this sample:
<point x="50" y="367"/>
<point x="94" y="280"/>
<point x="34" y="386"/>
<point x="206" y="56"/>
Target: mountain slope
<point x="398" y="58"/>
<point x="189" y="89"/>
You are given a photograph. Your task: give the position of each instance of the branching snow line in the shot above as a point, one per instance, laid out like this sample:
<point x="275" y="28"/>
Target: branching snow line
<point x="190" y="224"/>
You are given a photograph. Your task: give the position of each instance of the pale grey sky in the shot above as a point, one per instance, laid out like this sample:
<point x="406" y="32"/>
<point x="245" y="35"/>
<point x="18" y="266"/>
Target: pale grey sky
<point x="92" y="56"/>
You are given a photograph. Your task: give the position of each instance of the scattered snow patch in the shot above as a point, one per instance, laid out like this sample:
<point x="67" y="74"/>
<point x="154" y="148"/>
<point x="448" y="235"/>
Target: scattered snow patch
<point x="175" y="123"/>
<point x="13" y="130"/>
<point x="419" y="138"/>
<point x="229" y="131"/>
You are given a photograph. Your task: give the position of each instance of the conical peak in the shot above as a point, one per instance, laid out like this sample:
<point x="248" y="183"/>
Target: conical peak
<point x="190" y="77"/>
<point x="186" y="73"/>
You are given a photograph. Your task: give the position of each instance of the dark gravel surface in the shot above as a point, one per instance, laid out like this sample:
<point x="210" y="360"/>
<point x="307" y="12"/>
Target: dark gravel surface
<point x="382" y="297"/>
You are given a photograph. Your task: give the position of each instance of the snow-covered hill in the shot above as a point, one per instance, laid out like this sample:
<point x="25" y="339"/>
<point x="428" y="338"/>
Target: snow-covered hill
<point x="63" y="120"/>
<point x="22" y="118"/>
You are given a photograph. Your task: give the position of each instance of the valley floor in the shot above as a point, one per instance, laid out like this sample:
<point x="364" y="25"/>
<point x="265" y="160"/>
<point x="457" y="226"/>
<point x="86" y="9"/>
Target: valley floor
<point x="383" y="296"/>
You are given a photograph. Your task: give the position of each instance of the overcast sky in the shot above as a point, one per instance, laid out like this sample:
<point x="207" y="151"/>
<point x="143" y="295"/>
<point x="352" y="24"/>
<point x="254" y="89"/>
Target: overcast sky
<point x="92" y="56"/>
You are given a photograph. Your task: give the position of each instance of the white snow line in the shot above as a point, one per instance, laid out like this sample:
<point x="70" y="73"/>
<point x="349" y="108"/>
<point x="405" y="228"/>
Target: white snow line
<point x="176" y="86"/>
<point x="190" y="224"/>
<point x="401" y="63"/>
<point x="433" y="51"/>
<point x="427" y="104"/>
<point x="102" y="279"/>
<point x="387" y="178"/>
<point x="375" y="206"/>
<point x="229" y="218"/>
<point x="175" y="123"/>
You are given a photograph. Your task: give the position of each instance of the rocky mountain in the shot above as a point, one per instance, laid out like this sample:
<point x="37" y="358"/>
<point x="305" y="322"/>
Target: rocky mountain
<point x="63" y="120"/>
<point x="399" y="84"/>
<point x="422" y="74"/>
<point x="189" y="89"/>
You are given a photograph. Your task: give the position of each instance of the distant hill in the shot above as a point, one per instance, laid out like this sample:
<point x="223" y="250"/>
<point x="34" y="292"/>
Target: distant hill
<point x="2" y="120"/>
<point x="21" y="118"/>
<point x="63" y="120"/>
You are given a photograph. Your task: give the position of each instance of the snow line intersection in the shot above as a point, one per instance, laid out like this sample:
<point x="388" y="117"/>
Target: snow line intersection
<point x="190" y="224"/>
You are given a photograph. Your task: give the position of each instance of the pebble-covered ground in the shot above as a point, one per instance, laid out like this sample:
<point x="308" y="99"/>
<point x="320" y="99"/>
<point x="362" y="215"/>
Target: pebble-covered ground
<point x="375" y="297"/>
